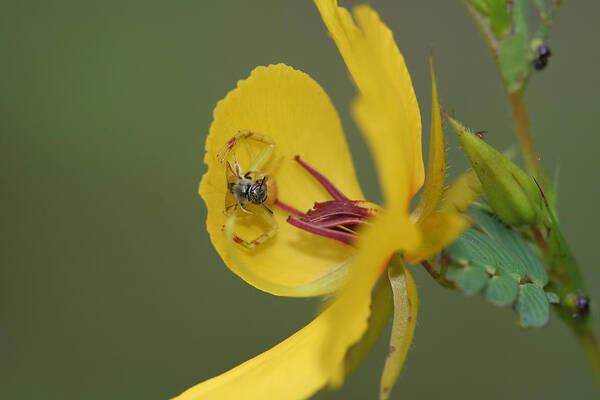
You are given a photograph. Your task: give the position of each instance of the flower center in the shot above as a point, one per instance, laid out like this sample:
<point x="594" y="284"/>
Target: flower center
<point x="337" y="219"/>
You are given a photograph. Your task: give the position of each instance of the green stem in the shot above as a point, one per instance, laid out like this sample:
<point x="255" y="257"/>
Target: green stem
<point x="565" y="278"/>
<point x="589" y="342"/>
<point x="548" y="19"/>
<point x="439" y="278"/>
<point x="582" y="327"/>
<point x="486" y="32"/>
<point x="519" y="112"/>
<point x="566" y="281"/>
<point x="561" y="261"/>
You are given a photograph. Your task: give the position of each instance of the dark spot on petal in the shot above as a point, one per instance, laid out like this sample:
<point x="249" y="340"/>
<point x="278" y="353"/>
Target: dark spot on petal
<point x="392" y="349"/>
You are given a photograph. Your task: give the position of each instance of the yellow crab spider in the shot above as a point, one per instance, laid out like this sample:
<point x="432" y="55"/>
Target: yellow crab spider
<point x="252" y="187"/>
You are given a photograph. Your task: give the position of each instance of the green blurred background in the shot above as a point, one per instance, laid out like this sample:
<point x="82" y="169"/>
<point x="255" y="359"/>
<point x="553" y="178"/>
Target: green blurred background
<point x="109" y="286"/>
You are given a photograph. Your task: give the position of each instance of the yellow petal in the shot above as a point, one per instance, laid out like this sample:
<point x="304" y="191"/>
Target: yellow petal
<point x="290" y="370"/>
<point x="293" y="369"/>
<point x="349" y="314"/>
<point x="403" y="326"/>
<point x="382" y="306"/>
<point x="436" y="165"/>
<point x="388" y="111"/>
<point x="461" y="193"/>
<point x="438" y="231"/>
<point x="293" y="110"/>
<point x="319" y="286"/>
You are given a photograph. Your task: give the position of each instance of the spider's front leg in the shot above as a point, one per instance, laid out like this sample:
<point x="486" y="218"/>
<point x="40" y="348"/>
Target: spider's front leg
<point x="261" y="158"/>
<point x="231" y="209"/>
<point x="270" y="232"/>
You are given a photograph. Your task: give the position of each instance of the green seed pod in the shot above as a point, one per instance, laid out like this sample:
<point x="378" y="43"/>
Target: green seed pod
<point x="513" y="195"/>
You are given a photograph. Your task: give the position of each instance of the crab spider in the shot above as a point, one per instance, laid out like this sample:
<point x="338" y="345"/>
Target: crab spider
<point x="251" y="187"/>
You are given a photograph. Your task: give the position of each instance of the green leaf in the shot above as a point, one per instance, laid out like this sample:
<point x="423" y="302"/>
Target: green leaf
<point x="468" y="251"/>
<point x="550" y="190"/>
<point x="498" y="18"/>
<point x="552" y="298"/>
<point x="519" y="14"/>
<point x="504" y="25"/>
<point x="513" y="56"/>
<point x="541" y="5"/>
<point x="478" y="249"/>
<point x="469" y="279"/>
<point x="495" y="14"/>
<point x="514" y="65"/>
<point x="500" y="251"/>
<point x="501" y="290"/>
<point x="482" y="6"/>
<point x="514" y="243"/>
<point x="532" y="306"/>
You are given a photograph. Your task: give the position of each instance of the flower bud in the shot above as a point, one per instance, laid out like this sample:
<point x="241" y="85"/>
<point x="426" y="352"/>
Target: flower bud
<point x="513" y="195"/>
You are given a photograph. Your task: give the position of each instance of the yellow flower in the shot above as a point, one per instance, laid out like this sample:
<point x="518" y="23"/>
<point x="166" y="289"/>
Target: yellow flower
<point x="290" y="108"/>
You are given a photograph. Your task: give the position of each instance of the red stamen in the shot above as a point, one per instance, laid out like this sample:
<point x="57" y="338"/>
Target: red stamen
<point x="343" y="237"/>
<point x="289" y="209"/>
<point x="341" y="221"/>
<point x="331" y="208"/>
<point x="330" y="187"/>
<point x="335" y="219"/>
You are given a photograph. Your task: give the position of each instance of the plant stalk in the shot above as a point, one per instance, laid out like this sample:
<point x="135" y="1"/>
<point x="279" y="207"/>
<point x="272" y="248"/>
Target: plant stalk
<point x="565" y="277"/>
<point x="589" y="343"/>
<point x="566" y="281"/>
<point x="519" y="112"/>
<point x="439" y="278"/>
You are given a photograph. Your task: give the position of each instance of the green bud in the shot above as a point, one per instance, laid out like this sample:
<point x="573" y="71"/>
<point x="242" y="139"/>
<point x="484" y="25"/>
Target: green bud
<point x="535" y="43"/>
<point x="513" y="195"/>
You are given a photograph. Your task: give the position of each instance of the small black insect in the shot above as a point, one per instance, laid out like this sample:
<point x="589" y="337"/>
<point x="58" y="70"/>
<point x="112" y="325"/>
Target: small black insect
<point x="480" y="134"/>
<point x="582" y="305"/>
<point x="541" y="57"/>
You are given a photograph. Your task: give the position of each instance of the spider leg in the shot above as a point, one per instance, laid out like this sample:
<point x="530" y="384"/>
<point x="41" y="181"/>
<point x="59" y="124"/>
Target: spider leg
<point x="227" y="211"/>
<point x="269" y="233"/>
<point x="261" y="159"/>
<point x="248" y="174"/>
<point x="238" y="169"/>
<point x="242" y="136"/>
<point x="250" y="153"/>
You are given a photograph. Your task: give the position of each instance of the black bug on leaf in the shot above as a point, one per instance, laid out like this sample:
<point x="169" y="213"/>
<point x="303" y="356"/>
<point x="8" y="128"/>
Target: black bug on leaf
<point x="582" y="305"/>
<point x="542" y="54"/>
